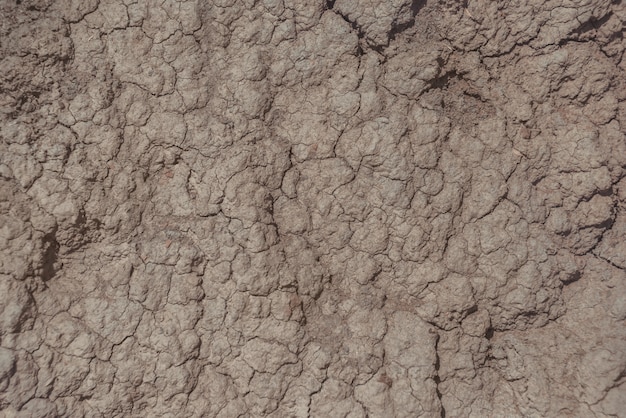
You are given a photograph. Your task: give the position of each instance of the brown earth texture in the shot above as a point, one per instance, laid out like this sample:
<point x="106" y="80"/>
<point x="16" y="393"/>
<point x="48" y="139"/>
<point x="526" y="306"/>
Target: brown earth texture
<point x="309" y="208"/>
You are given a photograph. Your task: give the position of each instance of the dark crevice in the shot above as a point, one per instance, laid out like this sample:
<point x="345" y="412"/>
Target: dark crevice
<point x="572" y="278"/>
<point x="83" y="229"/>
<point x="618" y="35"/>
<point x="564" y="234"/>
<point x="50" y="256"/>
<point x="437" y="379"/>
<point x="443" y="81"/>
<point x="355" y="26"/>
<point x="565" y="41"/>
<point x="396" y="29"/>
<point x="416" y="6"/>
<point x="592" y="24"/>
<point x="607" y="192"/>
<point x="529" y="316"/>
<point x="360" y="34"/>
<point x="475" y="96"/>
<point x="609" y="261"/>
<point x="489" y="333"/>
<point x="378" y="48"/>
<point x="537" y="181"/>
<point x="582" y="33"/>
<point x="607" y="224"/>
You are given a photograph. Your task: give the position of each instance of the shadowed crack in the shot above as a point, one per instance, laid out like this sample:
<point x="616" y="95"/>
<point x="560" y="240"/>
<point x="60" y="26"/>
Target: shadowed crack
<point x="592" y="24"/>
<point x="437" y="379"/>
<point x="396" y="29"/>
<point x="50" y="256"/>
<point x="443" y="81"/>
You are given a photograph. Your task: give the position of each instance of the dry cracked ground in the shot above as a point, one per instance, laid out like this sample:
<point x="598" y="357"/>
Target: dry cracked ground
<point x="307" y="208"/>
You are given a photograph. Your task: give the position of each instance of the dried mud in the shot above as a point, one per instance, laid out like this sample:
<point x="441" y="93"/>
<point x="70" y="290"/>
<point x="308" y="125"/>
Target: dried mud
<point x="286" y="208"/>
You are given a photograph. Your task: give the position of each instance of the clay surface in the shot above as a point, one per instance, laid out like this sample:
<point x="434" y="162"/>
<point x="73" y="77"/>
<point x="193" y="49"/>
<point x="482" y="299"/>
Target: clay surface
<point x="308" y="208"/>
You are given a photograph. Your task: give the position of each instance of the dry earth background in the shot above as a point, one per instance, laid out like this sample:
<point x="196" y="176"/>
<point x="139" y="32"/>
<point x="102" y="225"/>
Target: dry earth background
<point x="294" y="208"/>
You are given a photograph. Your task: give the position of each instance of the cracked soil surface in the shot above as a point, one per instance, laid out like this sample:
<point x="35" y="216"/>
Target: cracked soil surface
<point x="308" y="208"/>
